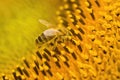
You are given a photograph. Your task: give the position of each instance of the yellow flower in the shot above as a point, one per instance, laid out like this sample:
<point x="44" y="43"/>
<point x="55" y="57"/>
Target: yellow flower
<point x="87" y="48"/>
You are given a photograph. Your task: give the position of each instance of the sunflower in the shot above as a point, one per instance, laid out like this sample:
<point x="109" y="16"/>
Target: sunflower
<point x="87" y="47"/>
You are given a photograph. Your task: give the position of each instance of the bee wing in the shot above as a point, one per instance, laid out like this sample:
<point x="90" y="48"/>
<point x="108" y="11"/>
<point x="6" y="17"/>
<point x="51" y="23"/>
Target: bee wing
<point x="51" y="32"/>
<point x="46" y="23"/>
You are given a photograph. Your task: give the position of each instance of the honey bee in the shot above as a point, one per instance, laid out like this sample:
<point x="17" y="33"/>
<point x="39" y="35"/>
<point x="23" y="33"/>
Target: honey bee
<point x="48" y="34"/>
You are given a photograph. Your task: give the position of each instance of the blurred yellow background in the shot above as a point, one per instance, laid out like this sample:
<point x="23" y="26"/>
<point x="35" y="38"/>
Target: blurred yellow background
<point x="19" y="26"/>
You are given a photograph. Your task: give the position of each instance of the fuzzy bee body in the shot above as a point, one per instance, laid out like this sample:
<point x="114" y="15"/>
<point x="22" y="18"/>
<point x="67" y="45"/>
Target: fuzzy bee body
<point x="47" y="35"/>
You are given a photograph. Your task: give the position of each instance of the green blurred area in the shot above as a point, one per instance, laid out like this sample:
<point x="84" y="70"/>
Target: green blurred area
<point x="19" y="27"/>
